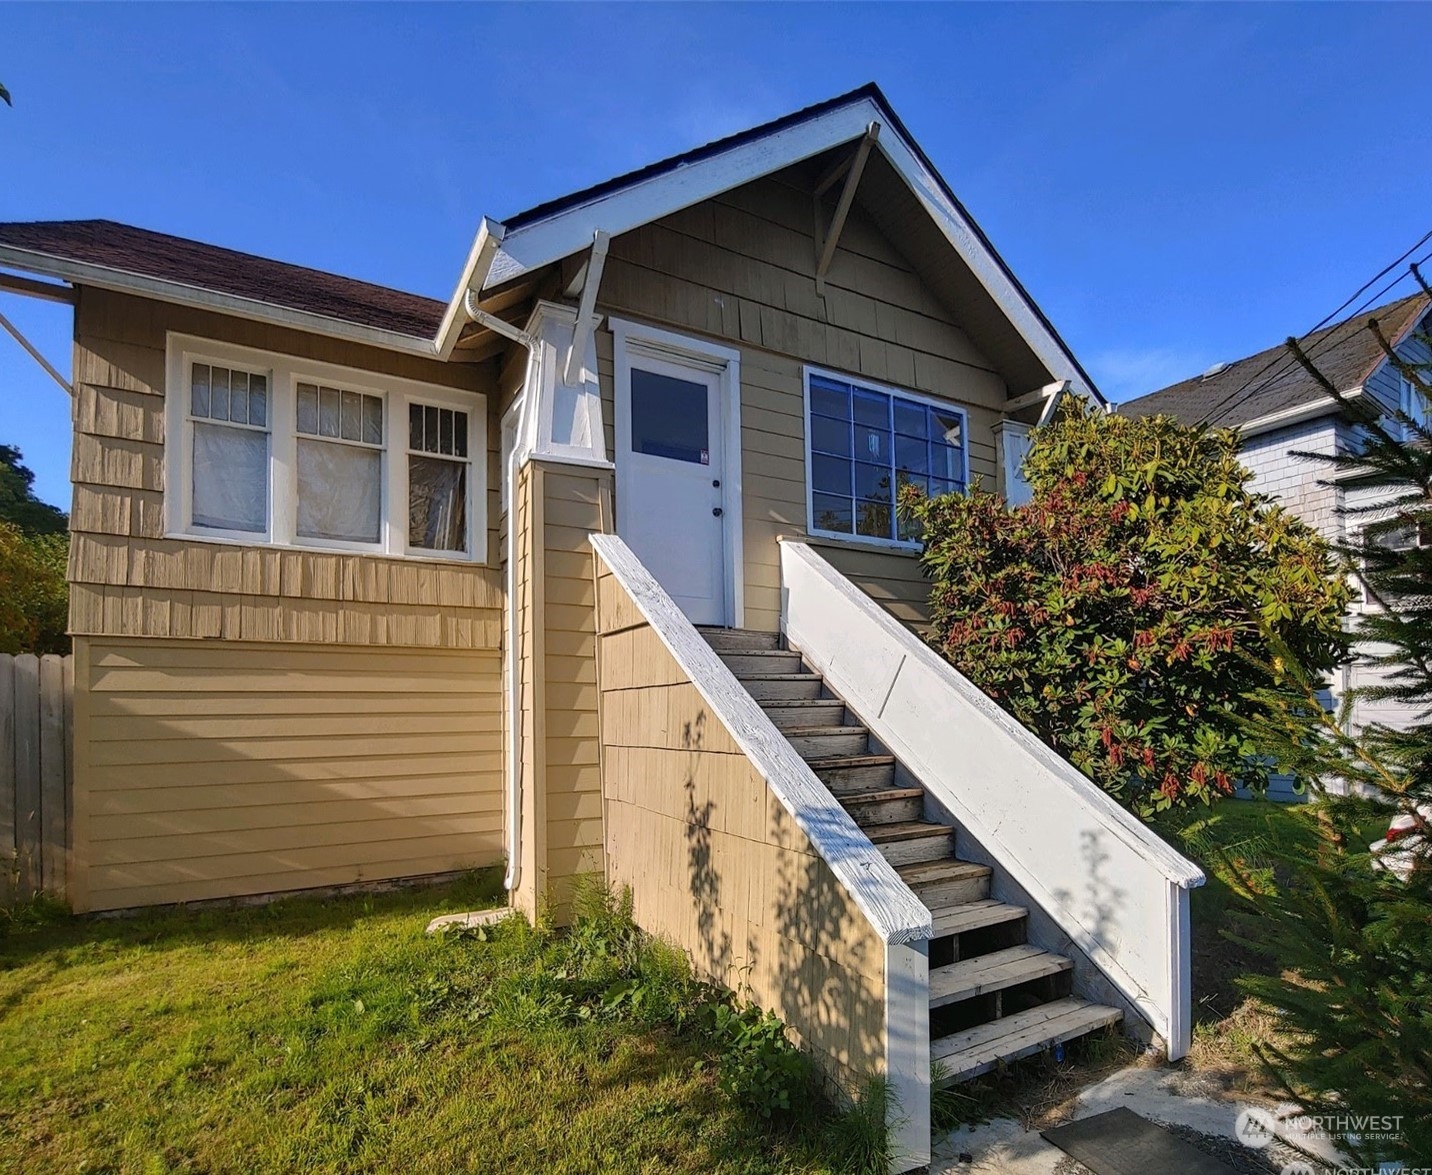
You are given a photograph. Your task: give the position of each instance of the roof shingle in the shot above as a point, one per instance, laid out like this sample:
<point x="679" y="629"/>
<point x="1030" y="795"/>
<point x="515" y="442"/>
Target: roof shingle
<point x="144" y="253"/>
<point x="1272" y="381"/>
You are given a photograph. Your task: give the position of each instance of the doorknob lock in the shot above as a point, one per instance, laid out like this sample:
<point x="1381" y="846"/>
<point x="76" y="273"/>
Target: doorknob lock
<point x="716" y="510"/>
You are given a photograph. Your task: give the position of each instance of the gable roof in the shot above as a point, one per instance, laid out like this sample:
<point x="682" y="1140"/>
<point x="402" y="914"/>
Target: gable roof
<point x="1272" y="384"/>
<point x="97" y="249"/>
<point x="550" y="231"/>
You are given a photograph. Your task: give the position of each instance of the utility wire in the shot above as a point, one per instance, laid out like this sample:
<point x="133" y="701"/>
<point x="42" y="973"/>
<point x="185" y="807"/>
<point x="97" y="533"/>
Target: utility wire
<point x="1287" y="361"/>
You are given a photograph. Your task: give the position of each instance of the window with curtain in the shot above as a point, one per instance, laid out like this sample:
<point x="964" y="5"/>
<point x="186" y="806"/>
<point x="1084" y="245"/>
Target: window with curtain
<point x="340" y="464"/>
<point x="863" y="444"/>
<point x="229" y="475"/>
<point x="262" y="447"/>
<point x="437" y="478"/>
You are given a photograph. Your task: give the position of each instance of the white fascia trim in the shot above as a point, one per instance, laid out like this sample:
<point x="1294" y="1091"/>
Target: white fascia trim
<point x="474" y="274"/>
<point x="569" y="231"/>
<point x="1322" y="406"/>
<point x="82" y="273"/>
<point x="890" y="906"/>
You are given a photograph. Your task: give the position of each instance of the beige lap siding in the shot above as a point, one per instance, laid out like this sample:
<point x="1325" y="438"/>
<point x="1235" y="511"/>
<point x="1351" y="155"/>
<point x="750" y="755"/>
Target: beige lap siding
<point x="740" y="268"/>
<point x="716" y="864"/>
<point x="558" y="507"/>
<point x="216" y="769"/>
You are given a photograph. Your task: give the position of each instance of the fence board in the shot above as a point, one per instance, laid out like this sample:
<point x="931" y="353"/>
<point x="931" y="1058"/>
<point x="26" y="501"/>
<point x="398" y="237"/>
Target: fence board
<point x="36" y="773"/>
<point x="52" y="773"/>
<point x="27" y="771"/>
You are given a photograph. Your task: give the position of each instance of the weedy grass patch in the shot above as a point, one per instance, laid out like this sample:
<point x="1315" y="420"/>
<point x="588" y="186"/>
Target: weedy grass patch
<point x="334" y="1035"/>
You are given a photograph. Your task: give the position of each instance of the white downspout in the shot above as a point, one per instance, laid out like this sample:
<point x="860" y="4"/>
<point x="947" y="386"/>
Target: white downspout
<point x="476" y="314"/>
<point x="514" y="686"/>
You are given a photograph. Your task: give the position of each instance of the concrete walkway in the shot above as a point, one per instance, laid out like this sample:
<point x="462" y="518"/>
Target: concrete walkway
<point x="1165" y="1095"/>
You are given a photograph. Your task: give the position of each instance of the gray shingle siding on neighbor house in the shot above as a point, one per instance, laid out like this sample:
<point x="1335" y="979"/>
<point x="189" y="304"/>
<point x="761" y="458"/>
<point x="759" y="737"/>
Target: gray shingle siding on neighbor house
<point x="1296" y="481"/>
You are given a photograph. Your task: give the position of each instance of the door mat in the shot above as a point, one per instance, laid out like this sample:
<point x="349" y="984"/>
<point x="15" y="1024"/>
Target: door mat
<point x="1120" y="1142"/>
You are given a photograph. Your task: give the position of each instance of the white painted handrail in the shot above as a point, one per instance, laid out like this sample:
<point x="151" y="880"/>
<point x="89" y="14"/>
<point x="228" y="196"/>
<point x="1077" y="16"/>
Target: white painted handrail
<point x="1111" y="884"/>
<point x="894" y="911"/>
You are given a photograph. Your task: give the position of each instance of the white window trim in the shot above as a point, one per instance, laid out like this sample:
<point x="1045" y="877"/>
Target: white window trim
<point x="867" y="540"/>
<point x="285" y="372"/>
<point x="725" y="362"/>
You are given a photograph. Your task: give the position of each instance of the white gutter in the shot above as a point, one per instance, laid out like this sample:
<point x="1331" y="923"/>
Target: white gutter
<point x="474" y="273"/>
<point x="1322" y="406"/>
<point x="82" y="273"/>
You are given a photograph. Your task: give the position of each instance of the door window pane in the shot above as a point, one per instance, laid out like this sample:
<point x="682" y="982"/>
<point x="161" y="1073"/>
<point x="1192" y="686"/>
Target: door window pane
<point x="669" y="418"/>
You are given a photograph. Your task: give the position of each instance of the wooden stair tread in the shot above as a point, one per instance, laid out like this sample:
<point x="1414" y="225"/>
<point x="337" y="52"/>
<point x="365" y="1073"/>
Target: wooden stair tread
<point x="930" y="872"/>
<point x="880" y="795"/>
<point x="977" y="1050"/>
<point x="801" y="676"/>
<point x="992" y="972"/>
<point x="907" y="830"/>
<point x="834" y="762"/>
<point x="974" y="916"/>
<point x="806" y="730"/>
<point x="798" y="703"/>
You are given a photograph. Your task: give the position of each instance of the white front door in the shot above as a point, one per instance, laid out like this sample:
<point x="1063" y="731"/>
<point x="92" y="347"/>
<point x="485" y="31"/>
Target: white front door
<point x="671" y="473"/>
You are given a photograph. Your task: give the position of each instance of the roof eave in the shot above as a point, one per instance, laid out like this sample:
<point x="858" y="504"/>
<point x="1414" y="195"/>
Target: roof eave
<point x="1297" y="414"/>
<point x="84" y="273"/>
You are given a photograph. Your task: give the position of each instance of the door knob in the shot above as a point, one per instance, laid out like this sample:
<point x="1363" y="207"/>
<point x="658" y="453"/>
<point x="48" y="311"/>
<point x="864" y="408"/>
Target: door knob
<point x="716" y="510"/>
<point x="716" y="484"/>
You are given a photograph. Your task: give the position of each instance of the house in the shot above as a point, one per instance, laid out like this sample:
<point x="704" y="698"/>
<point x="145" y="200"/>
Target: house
<point x="593" y="568"/>
<point x="1281" y="411"/>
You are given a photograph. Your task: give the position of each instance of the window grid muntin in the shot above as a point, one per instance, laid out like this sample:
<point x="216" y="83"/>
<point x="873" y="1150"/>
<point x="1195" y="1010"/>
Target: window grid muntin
<point x="867" y="419"/>
<point x="192" y="411"/>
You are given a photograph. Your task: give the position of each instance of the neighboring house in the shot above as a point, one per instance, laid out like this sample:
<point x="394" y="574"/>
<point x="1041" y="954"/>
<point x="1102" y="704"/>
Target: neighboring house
<point x="368" y="585"/>
<point x="1280" y="410"/>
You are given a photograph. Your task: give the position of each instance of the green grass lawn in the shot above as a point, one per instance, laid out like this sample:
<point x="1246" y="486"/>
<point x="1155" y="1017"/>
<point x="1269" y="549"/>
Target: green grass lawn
<point x="334" y="1035"/>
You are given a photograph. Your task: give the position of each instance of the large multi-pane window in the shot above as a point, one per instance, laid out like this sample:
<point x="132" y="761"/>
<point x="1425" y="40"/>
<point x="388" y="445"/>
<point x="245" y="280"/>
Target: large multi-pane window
<point x="865" y="443"/>
<point x="264" y="448"/>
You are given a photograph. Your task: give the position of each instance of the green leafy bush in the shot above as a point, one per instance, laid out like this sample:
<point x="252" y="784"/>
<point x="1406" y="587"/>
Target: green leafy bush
<point x="1121" y="613"/>
<point x="34" y="597"/>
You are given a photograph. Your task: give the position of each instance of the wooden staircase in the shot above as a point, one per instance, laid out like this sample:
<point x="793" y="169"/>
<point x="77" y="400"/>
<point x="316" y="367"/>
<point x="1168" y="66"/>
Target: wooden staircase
<point x="993" y="997"/>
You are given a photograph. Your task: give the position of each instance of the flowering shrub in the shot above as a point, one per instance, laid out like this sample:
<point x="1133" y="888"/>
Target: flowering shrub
<point x="1117" y="614"/>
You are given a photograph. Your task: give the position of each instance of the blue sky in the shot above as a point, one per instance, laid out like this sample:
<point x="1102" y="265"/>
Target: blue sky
<point x="1175" y="185"/>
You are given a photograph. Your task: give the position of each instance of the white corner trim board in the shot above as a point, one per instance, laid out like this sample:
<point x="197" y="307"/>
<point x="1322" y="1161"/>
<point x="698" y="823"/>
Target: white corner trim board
<point x="1114" y="887"/>
<point x="896" y="914"/>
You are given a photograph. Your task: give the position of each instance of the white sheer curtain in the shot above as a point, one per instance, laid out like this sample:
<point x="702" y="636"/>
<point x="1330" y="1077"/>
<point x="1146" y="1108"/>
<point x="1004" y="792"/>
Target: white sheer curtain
<point x="230" y="478"/>
<point x="340" y="491"/>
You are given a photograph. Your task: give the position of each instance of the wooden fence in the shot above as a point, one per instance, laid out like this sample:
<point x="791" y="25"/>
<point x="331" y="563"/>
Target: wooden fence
<point x="36" y="772"/>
